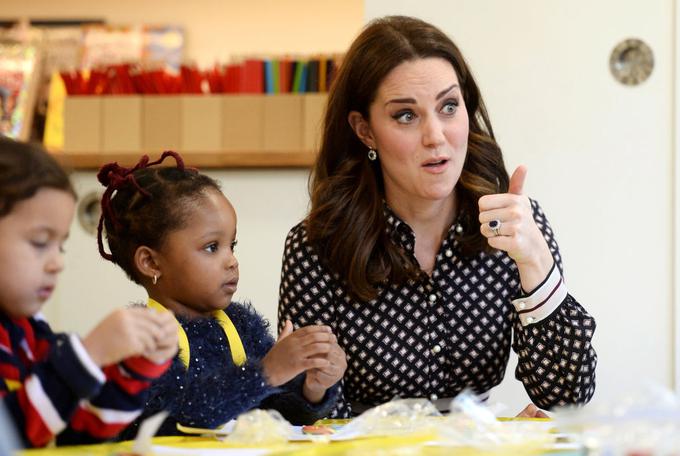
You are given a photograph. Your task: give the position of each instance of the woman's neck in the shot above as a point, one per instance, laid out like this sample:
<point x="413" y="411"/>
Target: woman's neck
<point x="430" y="221"/>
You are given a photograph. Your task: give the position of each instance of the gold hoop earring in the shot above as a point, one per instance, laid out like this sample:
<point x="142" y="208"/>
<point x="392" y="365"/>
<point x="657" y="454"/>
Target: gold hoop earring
<point x="155" y="279"/>
<point x="372" y="154"/>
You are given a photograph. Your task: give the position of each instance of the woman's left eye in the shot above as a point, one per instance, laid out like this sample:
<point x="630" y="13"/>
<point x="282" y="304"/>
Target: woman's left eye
<point x="449" y="107"/>
<point x="212" y="247"/>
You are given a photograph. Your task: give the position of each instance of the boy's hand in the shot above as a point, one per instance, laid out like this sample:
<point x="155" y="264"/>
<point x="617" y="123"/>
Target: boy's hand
<point x="166" y="343"/>
<point x="296" y="352"/>
<point x="130" y="332"/>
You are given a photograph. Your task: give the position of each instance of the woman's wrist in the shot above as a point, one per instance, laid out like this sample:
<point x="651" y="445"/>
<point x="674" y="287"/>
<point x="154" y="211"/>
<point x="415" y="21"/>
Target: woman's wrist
<point x="534" y="271"/>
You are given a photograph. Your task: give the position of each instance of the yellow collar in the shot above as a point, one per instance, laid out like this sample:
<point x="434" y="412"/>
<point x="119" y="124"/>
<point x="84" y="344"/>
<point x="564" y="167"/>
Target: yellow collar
<point x="238" y="353"/>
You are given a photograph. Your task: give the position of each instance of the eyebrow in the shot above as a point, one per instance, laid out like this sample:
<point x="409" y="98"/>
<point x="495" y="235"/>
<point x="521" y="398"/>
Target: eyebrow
<point x="413" y="101"/>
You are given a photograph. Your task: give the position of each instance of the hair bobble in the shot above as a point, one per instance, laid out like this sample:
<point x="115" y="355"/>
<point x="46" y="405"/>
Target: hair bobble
<point x="113" y="177"/>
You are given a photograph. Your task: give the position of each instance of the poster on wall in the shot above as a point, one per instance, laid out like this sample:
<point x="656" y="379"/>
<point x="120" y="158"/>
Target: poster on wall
<point x="18" y="85"/>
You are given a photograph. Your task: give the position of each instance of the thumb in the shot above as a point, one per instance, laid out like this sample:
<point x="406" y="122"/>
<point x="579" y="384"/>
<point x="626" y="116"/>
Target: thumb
<point x="517" y="180"/>
<point x="286" y="331"/>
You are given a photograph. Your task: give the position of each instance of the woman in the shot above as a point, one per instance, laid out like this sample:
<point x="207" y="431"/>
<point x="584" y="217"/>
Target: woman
<point x="419" y="252"/>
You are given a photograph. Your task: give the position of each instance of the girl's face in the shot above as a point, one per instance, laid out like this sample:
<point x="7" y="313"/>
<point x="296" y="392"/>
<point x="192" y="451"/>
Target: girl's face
<point x="199" y="272"/>
<point x="31" y="250"/>
<point x="419" y="126"/>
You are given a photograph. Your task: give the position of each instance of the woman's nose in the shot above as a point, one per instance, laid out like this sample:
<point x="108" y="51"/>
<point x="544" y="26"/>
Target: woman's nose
<point x="433" y="132"/>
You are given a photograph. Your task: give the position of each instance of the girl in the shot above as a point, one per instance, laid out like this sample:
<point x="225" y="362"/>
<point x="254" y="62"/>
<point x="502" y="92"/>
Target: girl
<point x="57" y="384"/>
<point x="174" y="232"/>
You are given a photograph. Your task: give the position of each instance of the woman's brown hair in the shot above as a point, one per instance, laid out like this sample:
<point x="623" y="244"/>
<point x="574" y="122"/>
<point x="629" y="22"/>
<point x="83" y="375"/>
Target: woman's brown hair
<point x="24" y="169"/>
<point x="346" y="222"/>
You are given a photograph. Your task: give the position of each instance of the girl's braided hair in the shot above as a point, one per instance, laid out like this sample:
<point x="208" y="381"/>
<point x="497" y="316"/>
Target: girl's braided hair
<point x="142" y="204"/>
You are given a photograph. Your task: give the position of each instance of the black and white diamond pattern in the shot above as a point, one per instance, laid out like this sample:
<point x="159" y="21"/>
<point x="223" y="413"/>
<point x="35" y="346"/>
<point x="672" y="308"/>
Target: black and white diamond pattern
<point x="435" y="336"/>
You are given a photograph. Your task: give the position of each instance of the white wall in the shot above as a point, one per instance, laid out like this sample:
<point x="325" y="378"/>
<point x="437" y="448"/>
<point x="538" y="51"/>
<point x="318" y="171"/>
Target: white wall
<point x="600" y="157"/>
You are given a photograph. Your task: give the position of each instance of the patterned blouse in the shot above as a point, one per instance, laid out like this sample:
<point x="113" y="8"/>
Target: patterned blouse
<point x="436" y="335"/>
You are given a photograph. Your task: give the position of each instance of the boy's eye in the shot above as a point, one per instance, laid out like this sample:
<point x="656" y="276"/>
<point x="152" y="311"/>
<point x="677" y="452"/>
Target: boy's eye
<point x="212" y="247"/>
<point x="39" y="244"/>
<point x="233" y="244"/>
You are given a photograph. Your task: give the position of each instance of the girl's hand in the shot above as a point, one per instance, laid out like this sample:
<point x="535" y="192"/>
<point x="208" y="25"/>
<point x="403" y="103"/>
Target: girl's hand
<point x="317" y="381"/>
<point x="518" y="234"/>
<point x="131" y="332"/>
<point x="296" y="352"/>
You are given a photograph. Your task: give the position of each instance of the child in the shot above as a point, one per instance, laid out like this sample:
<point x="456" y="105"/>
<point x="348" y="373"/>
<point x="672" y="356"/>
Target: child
<point x="57" y="384"/>
<point x="173" y="231"/>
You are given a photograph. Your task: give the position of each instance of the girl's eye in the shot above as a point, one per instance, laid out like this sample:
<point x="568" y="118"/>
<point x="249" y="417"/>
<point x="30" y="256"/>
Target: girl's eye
<point x="212" y="247"/>
<point x="449" y="107"/>
<point x="404" y="117"/>
<point x="233" y="244"/>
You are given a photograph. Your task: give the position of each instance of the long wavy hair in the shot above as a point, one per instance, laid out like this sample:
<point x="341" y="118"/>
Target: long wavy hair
<point x="346" y="222"/>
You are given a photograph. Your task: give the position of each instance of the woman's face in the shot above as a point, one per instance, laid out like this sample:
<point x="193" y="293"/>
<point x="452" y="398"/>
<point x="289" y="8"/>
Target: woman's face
<point x="419" y="126"/>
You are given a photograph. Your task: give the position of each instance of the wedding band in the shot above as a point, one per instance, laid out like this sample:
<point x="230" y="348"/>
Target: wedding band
<point x="495" y="226"/>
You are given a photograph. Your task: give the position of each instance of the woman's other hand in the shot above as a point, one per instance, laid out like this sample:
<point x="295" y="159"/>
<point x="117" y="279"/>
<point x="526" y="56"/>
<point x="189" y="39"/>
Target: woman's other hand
<point x="531" y="411"/>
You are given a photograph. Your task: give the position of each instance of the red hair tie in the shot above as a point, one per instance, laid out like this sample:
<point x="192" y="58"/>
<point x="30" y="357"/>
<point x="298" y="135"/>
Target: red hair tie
<point x="113" y="177"/>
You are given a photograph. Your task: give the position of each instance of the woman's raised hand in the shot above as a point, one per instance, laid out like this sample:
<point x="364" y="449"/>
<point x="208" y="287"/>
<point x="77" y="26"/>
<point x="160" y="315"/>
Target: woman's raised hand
<point x="507" y="222"/>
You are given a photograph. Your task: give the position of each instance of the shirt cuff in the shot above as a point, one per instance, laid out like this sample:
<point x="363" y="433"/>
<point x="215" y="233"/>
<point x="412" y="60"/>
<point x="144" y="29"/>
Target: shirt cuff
<point x="85" y="359"/>
<point x="543" y="300"/>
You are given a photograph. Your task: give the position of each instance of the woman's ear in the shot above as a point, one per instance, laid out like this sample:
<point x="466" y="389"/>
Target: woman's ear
<point x="146" y="262"/>
<point x="362" y="129"/>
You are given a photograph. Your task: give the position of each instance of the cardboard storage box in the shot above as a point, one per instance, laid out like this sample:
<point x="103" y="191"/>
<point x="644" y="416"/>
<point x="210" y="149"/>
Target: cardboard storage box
<point x="121" y="123"/>
<point x="283" y="123"/>
<point x="201" y="123"/>
<point x="161" y="123"/>
<point x="242" y="123"/>
<point x="313" y="109"/>
<point x="82" y="124"/>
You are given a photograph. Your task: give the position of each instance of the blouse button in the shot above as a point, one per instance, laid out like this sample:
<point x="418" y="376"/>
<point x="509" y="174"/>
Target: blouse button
<point x="530" y="319"/>
<point x="433" y="397"/>
<point x="433" y="297"/>
<point x="522" y="305"/>
<point x="436" y="349"/>
<point x="448" y="253"/>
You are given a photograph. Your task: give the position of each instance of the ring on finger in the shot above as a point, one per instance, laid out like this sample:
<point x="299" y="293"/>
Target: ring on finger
<point x="495" y="227"/>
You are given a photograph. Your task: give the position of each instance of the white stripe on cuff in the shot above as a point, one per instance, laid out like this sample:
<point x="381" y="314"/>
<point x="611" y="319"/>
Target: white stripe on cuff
<point x="542" y="302"/>
<point x="111" y="416"/>
<point x="85" y="358"/>
<point x="43" y="405"/>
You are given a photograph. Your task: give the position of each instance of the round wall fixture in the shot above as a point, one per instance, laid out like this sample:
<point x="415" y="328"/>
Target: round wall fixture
<point x="631" y="62"/>
<point x="88" y="212"/>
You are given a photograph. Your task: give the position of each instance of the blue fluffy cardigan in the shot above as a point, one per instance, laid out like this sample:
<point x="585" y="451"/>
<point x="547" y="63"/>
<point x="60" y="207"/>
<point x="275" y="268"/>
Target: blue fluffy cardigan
<point x="213" y="390"/>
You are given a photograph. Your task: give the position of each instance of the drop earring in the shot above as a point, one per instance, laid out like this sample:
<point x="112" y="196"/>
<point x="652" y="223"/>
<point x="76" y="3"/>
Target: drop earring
<point x="155" y="279"/>
<point x="372" y="154"/>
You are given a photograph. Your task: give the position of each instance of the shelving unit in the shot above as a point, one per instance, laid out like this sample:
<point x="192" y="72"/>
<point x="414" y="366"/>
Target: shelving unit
<point x="202" y="160"/>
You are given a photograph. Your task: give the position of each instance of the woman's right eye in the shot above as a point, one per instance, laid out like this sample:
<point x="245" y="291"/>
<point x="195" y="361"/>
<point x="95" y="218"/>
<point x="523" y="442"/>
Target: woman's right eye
<point x="404" y="117"/>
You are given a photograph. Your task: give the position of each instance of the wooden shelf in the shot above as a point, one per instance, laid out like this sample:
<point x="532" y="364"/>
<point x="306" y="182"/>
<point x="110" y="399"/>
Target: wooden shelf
<point x="201" y="160"/>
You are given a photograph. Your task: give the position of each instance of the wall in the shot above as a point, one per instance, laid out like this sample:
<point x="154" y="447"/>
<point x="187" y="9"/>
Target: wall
<point x="218" y="29"/>
<point x="600" y="158"/>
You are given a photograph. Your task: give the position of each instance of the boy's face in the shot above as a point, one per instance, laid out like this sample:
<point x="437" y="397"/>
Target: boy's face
<point x="199" y="272"/>
<point x="31" y="250"/>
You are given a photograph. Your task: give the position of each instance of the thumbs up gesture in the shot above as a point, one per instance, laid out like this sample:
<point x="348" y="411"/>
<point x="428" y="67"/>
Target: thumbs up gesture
<point x="507" y="221"/>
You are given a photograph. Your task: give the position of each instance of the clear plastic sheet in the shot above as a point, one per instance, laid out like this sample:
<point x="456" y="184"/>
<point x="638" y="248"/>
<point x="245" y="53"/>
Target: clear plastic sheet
<point x="645" y="422"/>
<point x="260" y="427"/>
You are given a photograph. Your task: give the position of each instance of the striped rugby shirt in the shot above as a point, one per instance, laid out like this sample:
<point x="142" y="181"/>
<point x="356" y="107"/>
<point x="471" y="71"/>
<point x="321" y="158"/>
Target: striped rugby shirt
<point x="51" y="387"/>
